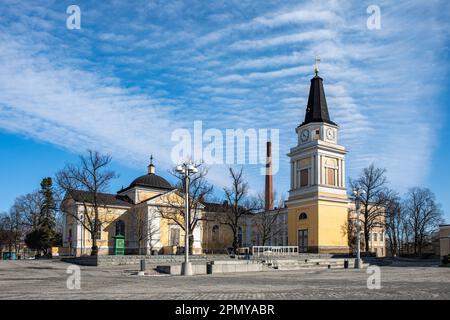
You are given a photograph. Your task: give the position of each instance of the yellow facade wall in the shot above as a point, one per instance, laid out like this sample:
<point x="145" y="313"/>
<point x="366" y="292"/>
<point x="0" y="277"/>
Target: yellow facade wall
<point x="333" y="217"/>
<point x="326" y="224"/>
<point x="145" y="195"/>
<point x="311" y="223"/>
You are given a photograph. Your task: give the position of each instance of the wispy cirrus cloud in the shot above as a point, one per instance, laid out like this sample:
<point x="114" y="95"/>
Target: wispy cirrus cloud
<point x="130" y="77"/>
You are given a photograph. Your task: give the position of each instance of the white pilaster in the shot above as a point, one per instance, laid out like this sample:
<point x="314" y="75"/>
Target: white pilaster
<point x="343" y="174"/>
<point x="318" y="174"/>
<point x="292" y="176"/>
<point x="322" y="171"/>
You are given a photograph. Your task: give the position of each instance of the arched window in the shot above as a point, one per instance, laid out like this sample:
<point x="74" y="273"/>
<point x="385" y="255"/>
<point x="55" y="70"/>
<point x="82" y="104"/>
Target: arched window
<point x="175" y="235"/>
<point x="97" y="225"/>
<point x="120" y="228"/>
<point x="303" y="216"/>
<point x="303" y="168"/>
<point x="215" y="233"/>
<point x="331" y="170"/>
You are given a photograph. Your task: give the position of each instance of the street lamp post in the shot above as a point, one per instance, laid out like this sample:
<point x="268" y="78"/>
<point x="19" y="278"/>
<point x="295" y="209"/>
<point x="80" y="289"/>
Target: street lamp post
<point x="82" y="233"/>
<point x="357" y="192"/>
<point x="186" y="169"/>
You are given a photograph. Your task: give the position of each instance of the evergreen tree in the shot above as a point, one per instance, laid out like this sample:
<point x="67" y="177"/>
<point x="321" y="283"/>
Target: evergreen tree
<point x="44" y="236"/>
<point x="48" y="208"/>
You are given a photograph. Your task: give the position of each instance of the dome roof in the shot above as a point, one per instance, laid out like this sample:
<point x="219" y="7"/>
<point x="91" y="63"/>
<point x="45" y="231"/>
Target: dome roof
<point x="151" y="180"/>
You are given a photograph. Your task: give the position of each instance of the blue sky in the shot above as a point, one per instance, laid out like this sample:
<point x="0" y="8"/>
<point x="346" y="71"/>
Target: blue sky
<point x="138" y="70"/>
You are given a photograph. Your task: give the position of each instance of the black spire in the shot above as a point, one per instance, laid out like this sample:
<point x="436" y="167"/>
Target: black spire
<point x="317" y="109"/>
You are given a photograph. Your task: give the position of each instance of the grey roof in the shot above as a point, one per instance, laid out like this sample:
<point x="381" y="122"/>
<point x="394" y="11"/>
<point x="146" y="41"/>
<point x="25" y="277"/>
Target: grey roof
<point x="151" y="180"/>
<point x="103" y="198"/>
<point x="317" y="108"/>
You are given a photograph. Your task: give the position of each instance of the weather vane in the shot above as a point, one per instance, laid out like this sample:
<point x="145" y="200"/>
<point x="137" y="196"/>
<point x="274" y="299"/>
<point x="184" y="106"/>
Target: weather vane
<point x="316" y="65"/>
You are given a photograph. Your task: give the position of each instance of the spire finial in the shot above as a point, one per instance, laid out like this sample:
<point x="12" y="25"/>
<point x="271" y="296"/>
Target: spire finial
<point x="316" y="65"/>
<point x="151" y="167"/>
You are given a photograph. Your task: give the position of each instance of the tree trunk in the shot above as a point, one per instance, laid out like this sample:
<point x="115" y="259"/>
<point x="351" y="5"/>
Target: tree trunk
<point x="191" y="244"/>
<point x="94" y="248"/>
<point x="235" y="241"/>
<point x="366" y="239"/>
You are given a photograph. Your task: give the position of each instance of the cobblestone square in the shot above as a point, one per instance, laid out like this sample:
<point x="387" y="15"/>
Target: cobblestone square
<point x="48" y="280"/>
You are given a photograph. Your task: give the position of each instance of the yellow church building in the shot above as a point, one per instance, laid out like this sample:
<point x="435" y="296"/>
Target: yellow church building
<point x="136" y="213"/>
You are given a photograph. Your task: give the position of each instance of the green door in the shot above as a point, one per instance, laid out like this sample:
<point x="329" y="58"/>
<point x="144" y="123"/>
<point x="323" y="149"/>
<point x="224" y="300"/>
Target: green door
<point x="119" y="245"/>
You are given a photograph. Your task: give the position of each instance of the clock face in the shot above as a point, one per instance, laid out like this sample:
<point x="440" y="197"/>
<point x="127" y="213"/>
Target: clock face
<point x="330" y="134"/>
<point x="304" y="135"/>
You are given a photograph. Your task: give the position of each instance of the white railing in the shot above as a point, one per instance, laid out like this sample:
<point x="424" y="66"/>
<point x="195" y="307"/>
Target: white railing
<point x="274" y="250"/>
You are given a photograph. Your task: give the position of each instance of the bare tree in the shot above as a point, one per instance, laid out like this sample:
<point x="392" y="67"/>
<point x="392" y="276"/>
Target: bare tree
<point x="30" y="207"/>
<point x="11" y="231"/>
<point x="373" y="181"/>
<point x="394" y="222"/>
<point x="4" y="233"/>
<point x="424" y="215"/>
<point x="173" y="207"/>
<point x="267" y="222"/>
<point x="92" y="178"/>
<point x="239" y="203"/>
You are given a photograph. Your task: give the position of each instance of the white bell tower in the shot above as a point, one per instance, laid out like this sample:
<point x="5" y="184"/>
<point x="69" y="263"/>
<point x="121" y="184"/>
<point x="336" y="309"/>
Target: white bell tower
<point x="318" y="203"/>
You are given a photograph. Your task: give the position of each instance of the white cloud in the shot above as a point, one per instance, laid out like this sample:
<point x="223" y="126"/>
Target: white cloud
<point x="314" y="35"/>
<point x="76" y="109"/>
<point x="162" y="68"/>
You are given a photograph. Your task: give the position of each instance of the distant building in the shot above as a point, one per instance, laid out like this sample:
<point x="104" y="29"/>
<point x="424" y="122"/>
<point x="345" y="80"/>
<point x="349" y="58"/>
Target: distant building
<point x="377" y="235"/>
<point x="444" y="240"/>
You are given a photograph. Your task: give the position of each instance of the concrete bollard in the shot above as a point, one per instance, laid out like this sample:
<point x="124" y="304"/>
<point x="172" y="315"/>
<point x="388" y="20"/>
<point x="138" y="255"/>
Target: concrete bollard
<point x="142" y="269"/>
<point x="209" y="268"/>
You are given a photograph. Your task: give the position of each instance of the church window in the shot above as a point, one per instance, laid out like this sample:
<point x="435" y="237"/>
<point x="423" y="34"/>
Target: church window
<point x="331" y="172"/>
<point x="303" y="168"/>
<point x="375" y="236"/>
<point x="330" y="175"/>
<point x="175" y="235"/>
<point x="303" y="216"/>
<point x="317" y="134"/>
<point x="98" y="232"/>
<point x="215" y="233"/>
<point x="120" y="228"/>
<point x="304" y="177"/>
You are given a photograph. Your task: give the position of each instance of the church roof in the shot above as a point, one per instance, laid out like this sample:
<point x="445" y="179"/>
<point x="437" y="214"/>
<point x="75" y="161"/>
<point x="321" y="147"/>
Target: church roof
<point x="317" y="108"/>
<point x="103" y="198"/>
<point x="151" y="180"/>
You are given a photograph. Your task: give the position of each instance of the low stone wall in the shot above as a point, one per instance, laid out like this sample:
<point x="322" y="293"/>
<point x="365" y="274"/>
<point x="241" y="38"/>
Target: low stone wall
<point x="235" y="266"/>
<point x="219" y="266"/>
<point x="135" y="259"/>
<point x="176" y="269"/>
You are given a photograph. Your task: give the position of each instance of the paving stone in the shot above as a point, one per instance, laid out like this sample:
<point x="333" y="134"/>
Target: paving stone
<point x="47" y="280"/>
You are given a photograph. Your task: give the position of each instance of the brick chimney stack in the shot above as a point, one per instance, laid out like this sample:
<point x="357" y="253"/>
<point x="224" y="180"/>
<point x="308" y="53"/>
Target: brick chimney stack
<point x="269" y="186"/>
